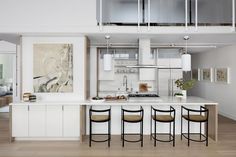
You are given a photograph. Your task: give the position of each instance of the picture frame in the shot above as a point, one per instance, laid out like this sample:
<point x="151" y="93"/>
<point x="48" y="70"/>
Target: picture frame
<point x="207" y="74"/>
<point x="222" y="75"/>
<point x="196" y="74"/>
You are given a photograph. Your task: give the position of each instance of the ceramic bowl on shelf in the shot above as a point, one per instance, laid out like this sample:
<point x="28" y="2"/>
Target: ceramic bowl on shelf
<point x="97" y="99"/>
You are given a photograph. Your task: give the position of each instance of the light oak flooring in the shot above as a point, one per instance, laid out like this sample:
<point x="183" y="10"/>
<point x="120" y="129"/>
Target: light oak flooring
<point x="226" y="146"/>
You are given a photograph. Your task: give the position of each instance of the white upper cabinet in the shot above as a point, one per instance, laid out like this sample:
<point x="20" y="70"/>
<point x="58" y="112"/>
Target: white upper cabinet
<point x="20" y="121"/>
<point x="54" y="121"/>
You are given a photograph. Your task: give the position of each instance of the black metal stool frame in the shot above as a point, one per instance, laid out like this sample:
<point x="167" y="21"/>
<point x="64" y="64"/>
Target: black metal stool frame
<point x="109" y="126"/>
<point x="141" y="111"/>
<point x="201" y="111"/>
<point x="171" y="136"/>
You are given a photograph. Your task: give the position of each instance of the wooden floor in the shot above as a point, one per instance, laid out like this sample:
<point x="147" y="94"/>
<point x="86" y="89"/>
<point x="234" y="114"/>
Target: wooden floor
<point x="226" y="146"/>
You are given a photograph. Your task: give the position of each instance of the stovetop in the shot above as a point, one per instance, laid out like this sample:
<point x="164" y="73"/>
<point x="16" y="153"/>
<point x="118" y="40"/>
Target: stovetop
<point x="143" y="95"/>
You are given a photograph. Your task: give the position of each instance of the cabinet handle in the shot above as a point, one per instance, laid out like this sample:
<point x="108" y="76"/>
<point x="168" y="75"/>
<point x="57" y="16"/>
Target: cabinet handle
<point x="28" y="108"/>
<point x="62" y="108"/>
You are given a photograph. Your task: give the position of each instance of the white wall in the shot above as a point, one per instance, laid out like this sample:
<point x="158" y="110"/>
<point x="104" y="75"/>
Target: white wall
<point x="79" y="61"/>
<point x="41" y="13"/>
<point x="224" y="94"/>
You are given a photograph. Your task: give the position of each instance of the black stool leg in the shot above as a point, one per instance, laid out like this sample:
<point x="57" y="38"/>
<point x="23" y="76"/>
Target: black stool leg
<point x="170" y="132"/>
<point x="151" y="128"/>
<point x="155" y="134"/>
<point x="123" y="134"/>
<point x="207" y="133"/>
<point x="200" y="130"/>
<point x="173" y="133"/>
<point x="181" y="136"/>
<point x="109" y="133"/>
<point x="90" y="133"/>
<point x="188" y="132"/>
<point x="141" y="133"/>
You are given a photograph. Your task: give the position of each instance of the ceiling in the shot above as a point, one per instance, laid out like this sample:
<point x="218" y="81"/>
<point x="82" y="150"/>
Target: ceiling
<point x="197" y="42"/>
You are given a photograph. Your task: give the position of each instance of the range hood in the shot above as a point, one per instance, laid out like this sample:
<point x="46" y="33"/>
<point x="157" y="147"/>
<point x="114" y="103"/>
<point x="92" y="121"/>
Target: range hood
<point x="144" y="55"/>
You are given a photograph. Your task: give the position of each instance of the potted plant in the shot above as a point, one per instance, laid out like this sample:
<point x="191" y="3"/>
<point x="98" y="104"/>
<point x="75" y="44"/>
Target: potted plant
<point x="185" y="85"/>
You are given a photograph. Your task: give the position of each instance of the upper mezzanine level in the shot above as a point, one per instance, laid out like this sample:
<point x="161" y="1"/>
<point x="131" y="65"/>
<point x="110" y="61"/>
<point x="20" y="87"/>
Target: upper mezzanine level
<point x="117" y="16"/>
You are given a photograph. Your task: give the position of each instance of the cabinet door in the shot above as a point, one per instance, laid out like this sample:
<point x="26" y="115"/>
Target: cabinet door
<point x="175" y="63"/>
<point x="54" y="121"/>
<point x="37" y="121"/>
<point x="71" y="121"/>
<point x="20" y="121"/>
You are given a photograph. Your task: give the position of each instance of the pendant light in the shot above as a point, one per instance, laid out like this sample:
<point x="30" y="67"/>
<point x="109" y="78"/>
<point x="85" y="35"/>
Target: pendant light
<point x="186" y="58"/>
<point x="107" y="57"/>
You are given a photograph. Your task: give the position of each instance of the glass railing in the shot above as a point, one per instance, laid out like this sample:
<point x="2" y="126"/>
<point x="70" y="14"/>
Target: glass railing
<point x="165" y="12"/>
<point x="212" y="12"/>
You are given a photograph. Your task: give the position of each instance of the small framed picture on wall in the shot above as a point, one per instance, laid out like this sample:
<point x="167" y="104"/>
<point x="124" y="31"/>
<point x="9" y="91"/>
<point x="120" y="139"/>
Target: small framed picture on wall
<point x="196" y="74"/>
<point x="222" y="75"/>
<point x="207" y="74"/>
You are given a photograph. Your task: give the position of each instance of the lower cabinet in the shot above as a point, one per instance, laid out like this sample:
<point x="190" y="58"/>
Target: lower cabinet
<point x="20" y="121"/>
<point x="71" y="121"/>
<point x="37" y="119"/>
<point x="46" y="121"/>
<point x="54" y="121"/>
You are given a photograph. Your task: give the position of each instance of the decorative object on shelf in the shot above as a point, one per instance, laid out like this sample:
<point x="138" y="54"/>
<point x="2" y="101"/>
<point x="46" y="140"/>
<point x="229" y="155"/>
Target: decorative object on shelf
<point x="186" y="58"/>
<point x="26" y="97"/>
<point x="196" y="74"/>
<point x="207" y="74"/>
<point x="107" y="58"/>
<point x="185" y="85"/>
<point x="53" y="68"/>
<point x="97" y="99"/>
<point x="143" y="87"/>
<point x="222" y="75"/>
<point x="178" y="95"/>
<point x="32" y="98"/>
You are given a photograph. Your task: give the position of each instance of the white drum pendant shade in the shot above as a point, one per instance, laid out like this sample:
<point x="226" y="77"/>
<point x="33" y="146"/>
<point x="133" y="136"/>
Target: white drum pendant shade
<point x="107" y="62"/>
<point x="186" y="62"/>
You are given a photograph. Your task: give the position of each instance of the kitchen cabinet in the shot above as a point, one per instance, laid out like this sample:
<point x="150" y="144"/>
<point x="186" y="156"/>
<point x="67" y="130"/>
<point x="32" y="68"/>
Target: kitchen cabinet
<point x="71" y="121"/>
<point x="37" y="119"/>
<point x="20" y="121"/>
<point x="46" y="121"/>
<point x="54" y="121"/>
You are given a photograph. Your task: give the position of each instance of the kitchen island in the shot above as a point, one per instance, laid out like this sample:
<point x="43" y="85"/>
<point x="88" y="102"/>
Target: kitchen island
<point x="68" y="120"/>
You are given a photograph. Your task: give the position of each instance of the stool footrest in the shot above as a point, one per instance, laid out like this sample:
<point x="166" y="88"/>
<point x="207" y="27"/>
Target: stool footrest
<point x="153" y="137"/>
<point x="132" y="140"/>
<point x="205" y="138"/>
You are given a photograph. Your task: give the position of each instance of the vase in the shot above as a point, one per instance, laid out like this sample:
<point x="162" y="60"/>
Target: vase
<point x="184" y="92"/>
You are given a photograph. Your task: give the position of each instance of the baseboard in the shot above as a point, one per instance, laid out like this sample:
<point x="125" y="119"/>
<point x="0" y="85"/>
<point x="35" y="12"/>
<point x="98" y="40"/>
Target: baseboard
<point x="233" y="117"/>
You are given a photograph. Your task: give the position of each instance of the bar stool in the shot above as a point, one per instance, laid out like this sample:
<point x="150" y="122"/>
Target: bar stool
<point x="198" y="118"/>
<point x="99" y="118"/>
<point x="134" y="116"/>
<point x="163" y="118"/>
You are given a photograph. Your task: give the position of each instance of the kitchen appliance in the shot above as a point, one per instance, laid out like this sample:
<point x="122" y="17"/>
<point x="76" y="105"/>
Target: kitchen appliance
<point x="150" y="95"/>
<point x="144" y="97"/>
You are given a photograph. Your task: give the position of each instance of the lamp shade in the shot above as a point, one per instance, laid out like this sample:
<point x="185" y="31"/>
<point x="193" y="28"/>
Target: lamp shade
<point x="186" y="62"/>
<point x="107" y="62"/>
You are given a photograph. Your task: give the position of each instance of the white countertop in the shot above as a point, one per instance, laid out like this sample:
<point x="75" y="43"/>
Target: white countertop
<point x="165" y="100"/>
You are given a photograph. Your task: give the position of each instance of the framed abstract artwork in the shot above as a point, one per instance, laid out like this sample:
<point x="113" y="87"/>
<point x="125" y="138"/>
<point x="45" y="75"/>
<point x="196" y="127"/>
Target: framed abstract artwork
<point x="207" y="74"/>
<point x="53" y="68"/>
<point x="222" y="75"/>
<point x="196" y="74"/>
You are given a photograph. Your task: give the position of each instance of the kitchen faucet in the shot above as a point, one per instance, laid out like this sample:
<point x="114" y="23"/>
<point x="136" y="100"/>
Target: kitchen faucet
<point x="125" y="82"/>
